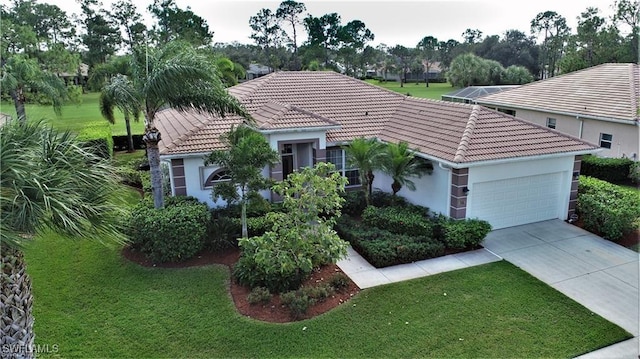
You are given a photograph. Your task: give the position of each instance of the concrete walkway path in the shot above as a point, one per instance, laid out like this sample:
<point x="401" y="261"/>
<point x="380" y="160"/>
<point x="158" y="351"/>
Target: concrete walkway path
<point x="599" y="274"/>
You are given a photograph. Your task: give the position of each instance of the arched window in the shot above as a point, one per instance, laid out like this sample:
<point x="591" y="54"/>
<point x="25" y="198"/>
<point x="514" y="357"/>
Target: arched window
<point x="219" y="175"/>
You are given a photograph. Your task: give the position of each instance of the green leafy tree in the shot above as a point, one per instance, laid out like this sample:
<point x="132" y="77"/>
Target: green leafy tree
<point x="174" y="76"/>
<point x="403" y="59"/>
<point x="174" y="24"/>
<point x="229" y="71"/>
<point x="516" y="75"/>
<point x="467" y="70"/>
<point x="266" y="32"/>
<point x="323" y="33"/>
<point x="21" y="75"/>
<point x="628" y="12"/>
<point x="302" y="238"/>
<point x="401" y="164"/>
<point x="366" y="155"/>
<point x="247" y="153"/>
<point x="48" y="182"/>
<point x="127" y="17"/>
<point x="554" y="31"/>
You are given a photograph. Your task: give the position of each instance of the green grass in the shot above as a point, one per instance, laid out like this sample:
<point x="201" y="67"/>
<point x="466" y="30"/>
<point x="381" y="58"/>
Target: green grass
<point x="90" y="302"/>
<point x="123" y="158"/>
<point x="434" y="91"/>
<point x="75" y="117"/>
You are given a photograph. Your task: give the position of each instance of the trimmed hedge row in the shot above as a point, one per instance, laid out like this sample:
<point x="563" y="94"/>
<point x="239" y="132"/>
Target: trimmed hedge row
<point x="122" y="142"/>
<point x="382" y="248"/>
<point x="98" y="140"/>
<point x="615" y="170"/>
<point x="607" y="209"/>
<point x="398" y="220"/>
<point x="174" y="233"/>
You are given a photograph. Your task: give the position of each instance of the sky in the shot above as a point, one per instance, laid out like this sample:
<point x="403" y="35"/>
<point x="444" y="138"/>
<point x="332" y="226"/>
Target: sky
<point x="392" y="22"/>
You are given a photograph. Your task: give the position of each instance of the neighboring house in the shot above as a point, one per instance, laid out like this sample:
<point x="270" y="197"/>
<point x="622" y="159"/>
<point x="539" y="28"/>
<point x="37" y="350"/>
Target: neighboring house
<point x="257" y="70"/>
<point x="435" y="73"/>
<point x="487" y="164"/>
<point x="472" y="93"/>
<point x="599" y="104"/>
<point x="76" y="78"/>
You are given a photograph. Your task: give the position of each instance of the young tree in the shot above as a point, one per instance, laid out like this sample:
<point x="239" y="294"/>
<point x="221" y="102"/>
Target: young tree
<point x="365" y="155"/>
<point x="178" y="77"/>
<point x="247" y="153"/>
<point x="20" y="74"/>
<point x="302" y="238"/>
<point x="401" y="164"/>
<point x="48" y="182"/>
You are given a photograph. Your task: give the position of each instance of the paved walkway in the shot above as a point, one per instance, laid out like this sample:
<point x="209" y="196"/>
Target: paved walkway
<point x="594" y="272"/>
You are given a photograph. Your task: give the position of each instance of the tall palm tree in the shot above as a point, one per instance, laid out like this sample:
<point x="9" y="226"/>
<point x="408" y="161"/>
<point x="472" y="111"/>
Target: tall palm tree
<point x="119" y="92"/>
<point x="176" y="76"/>
<point x="365" y="155"/>
<point x="49" y="182"/>
<point x="401" y="163"/>
<point x="21" y="74"/>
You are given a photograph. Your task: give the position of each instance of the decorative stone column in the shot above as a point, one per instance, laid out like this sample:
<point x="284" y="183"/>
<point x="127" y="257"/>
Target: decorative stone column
<point x="459" y="190"/>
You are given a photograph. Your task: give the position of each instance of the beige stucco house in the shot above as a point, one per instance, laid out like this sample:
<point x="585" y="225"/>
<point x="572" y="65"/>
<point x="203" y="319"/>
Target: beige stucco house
<point x="487" y="164"/>
<point x="600" y="104"/>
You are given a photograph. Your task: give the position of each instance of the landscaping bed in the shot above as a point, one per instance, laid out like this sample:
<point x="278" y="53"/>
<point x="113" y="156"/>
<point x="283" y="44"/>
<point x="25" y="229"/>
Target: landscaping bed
<point x="392" y="231"/>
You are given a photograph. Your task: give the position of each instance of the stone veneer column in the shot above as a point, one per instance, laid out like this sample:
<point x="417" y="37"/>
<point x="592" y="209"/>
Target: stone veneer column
<point x="179" y="182"/>
<point x="573" y="199"/>
<point x="459" y="180"/>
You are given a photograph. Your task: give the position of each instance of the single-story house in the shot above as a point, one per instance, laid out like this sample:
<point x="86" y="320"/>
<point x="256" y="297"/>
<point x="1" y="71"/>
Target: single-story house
<point x="471" y="94"/>
<point x="487" y="164"/>
<point x="600" y="104"/>
<point x="257" y="70"/>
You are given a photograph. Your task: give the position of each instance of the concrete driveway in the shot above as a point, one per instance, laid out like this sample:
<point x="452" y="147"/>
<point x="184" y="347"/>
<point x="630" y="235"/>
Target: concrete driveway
<point x="599" y="274"/>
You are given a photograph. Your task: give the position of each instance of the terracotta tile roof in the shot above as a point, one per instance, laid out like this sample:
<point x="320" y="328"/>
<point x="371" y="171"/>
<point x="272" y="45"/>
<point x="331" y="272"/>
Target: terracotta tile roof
<point x="453" y="132"/>
<point x="274" y="115"/>
<point x="463" y="133"/>
<point x="607" y="91"/>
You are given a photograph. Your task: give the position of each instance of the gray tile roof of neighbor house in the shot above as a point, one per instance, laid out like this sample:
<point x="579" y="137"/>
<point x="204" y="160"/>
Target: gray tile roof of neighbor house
<point x="348" y="108"/>
<point x="607" y="92"/>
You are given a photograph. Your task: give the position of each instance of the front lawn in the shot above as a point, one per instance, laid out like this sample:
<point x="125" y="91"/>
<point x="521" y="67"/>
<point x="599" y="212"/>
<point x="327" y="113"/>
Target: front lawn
<point x="91" y="302"/>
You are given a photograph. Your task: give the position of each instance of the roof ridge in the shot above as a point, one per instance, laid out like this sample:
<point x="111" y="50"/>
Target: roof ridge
<point x="315" y="115"/>
<point x="466" y="135"/>
<point x="260" y="82"/>
<point x="280" y="112"/>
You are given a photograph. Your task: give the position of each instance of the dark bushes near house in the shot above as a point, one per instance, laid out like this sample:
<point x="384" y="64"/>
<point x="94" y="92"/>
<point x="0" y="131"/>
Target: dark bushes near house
<point x="121" y="143"/>
<point x="400" y="220"/>
<point x="607" y="209"/>
<point x="174" y="233"/>
<point x="97" y="140"/>
<point x="468" y="233"/>
<point x="614" y="170"/>
<point x="355" y="203"/>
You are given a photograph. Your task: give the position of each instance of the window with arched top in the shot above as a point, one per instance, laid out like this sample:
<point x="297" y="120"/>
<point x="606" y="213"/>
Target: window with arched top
<point x="219" y="175"/>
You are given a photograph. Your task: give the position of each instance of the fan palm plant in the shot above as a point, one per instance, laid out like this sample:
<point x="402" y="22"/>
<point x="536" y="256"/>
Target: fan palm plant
<point x="401" y="164"/>
<point x="21" y="74"/>
<point x="176" y="76"/>
<point x="365" y="155"/>
<point x="49" y="182"/>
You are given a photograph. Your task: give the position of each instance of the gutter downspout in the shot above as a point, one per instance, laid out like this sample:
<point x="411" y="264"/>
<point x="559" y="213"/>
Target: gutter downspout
<point x="449" y="175"/>
<point x="581" y="126"/>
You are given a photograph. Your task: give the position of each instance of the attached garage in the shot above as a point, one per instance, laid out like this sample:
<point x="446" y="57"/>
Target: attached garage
<point x="512" y="194"/>
<point x="516" y="201"/>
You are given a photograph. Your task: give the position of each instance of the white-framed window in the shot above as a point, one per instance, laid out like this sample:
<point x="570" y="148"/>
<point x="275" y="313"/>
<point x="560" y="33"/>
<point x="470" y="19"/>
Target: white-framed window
<point x="338" y="158"/>
<point x="551" y="123"/>
<point x="217" y="176"/>
<point x="606" y="140"/>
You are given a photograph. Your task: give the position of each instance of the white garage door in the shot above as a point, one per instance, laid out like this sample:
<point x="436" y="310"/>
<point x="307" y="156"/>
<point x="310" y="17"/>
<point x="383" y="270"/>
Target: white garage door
<point x="516" y="201"/>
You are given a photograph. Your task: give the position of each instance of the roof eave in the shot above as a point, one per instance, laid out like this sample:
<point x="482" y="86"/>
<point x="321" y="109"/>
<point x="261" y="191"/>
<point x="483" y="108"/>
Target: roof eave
<point x="298" y="129"/>
<point x="555" y="112"/>
<point x="519" y="159"/>
<point x="183" y="155"/>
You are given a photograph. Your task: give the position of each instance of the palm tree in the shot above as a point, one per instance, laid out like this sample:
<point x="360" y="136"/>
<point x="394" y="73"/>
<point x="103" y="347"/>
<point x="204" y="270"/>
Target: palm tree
<point x="174" y="76"/>
<point x="119" y="93"/>
<point x="49" y="182"/>
<point x="117" y="70"/>
<point x="365" y="155"/>
<point x="401" y="164"/>
<point x="21" y="74"/>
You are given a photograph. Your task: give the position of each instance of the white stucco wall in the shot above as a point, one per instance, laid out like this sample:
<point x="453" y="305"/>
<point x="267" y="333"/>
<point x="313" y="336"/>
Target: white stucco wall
<point x="626" y="140"/>
<point x="432" y="191"/>
<point x="495" y="172"/>
<point x="274" y="138"/>
<point x="196" y="174"/>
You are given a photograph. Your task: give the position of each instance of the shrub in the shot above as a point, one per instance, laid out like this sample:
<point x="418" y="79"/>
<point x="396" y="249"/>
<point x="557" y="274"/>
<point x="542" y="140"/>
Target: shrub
<point x="320" y="293"/>
<point x="634" y="172"/>
<point x="384" y="199"/>
<point x="468" y="233"/>
<point x="259" y="295"/>
<point x="171" y="234"/>
<point x="339" y="282"/>
<point x="248" y="272"/>
<point x="297" y="303"/>
<point x="97" y="139"/>
<point x="400" y="220"/>
<point x="355" y="203"/>
<point x="607" y="209"/>
<point x="615" y="170"/>
<point x="129" y="176"/>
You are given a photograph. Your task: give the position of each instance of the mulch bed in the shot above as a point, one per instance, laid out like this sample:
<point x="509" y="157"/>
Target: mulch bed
<point x="271" y="312"/>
